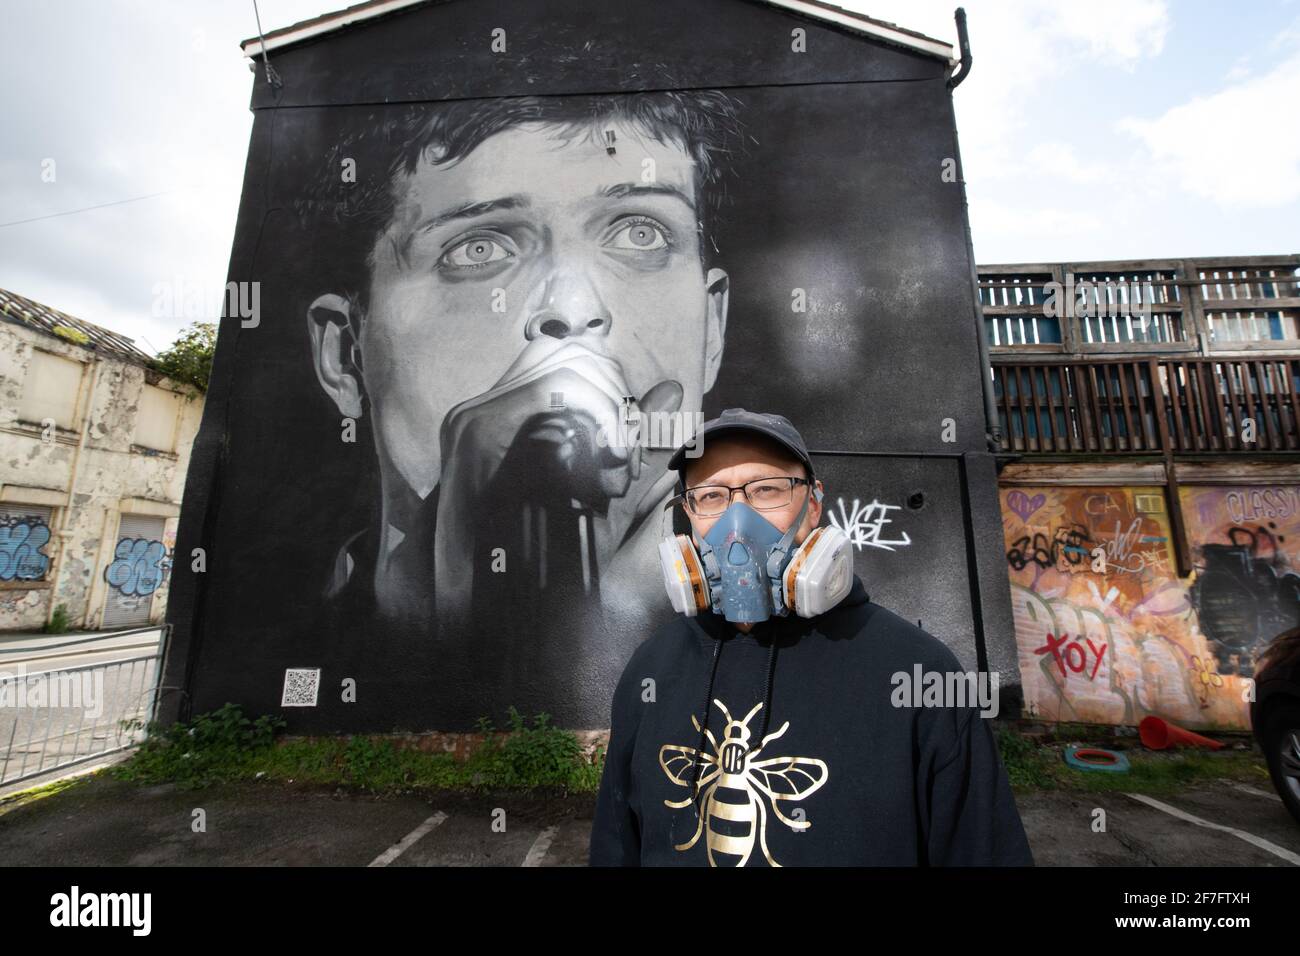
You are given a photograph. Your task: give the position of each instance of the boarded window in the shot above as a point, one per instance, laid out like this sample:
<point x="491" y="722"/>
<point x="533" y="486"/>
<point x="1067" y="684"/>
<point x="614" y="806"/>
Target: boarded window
<point x="155" y="425"/>
<point x="24" y="542"/>
<point x="50" y="390"/>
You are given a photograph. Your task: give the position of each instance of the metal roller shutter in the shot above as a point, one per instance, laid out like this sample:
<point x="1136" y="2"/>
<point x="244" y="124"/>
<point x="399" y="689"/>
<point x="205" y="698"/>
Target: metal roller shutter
<point x="136" y="570"/>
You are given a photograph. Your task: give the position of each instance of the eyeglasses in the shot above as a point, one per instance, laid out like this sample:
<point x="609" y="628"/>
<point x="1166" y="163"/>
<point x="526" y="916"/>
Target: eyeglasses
<point x="763" y="494"/>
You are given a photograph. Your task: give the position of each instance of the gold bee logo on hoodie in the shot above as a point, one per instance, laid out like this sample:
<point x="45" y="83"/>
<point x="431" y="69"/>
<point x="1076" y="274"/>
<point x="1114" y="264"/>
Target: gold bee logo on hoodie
<point x="734" y="782"/>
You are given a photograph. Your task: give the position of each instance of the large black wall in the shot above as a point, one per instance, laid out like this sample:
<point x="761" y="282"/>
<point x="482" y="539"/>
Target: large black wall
<point x="839" y="192"/>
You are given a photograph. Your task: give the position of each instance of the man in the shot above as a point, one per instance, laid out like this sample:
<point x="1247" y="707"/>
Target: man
<point x="777" y="741"/>
<point x="515" y="280"/>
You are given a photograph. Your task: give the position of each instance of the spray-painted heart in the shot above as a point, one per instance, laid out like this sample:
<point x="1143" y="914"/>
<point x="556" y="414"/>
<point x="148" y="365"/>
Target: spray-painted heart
<point x="1023" y="505"/>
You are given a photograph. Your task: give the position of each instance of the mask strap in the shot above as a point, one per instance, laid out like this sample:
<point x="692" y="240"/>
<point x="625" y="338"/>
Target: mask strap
<point x="776" y="554"/>
<point x="672" y="533"/>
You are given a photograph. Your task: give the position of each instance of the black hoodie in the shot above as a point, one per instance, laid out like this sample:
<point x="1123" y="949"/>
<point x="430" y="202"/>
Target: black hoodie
<point x="845" y="779"/>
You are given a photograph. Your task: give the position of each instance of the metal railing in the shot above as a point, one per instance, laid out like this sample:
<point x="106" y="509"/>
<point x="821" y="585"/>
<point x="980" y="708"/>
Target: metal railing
<point x="53" y="717"/>
<point x="1149" y="405"/>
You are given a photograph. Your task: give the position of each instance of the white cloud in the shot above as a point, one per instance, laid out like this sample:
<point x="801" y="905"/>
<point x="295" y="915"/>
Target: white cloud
<point x="1236" y="147"/>
<point x="1045" y="225"/>
<point x="1115" y="32"/>
<point x="1050" y="174"/>
<point x="1065" y="161"/>
<point x="1021" y="47"/>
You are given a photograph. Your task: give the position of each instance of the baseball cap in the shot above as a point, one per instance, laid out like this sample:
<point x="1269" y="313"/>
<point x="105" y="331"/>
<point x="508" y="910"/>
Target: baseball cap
<point x="732" y="420"/>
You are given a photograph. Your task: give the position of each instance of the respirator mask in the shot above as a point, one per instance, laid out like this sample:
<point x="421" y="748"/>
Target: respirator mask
<point x="744" y="568"/>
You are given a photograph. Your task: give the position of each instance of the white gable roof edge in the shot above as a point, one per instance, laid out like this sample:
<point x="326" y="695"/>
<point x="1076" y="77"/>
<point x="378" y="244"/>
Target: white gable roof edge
<point x="330" y="23"/>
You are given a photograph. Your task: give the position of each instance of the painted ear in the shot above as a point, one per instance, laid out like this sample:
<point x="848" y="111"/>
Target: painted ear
<point x="335" y="352"/>
<point x="718" y="288"/>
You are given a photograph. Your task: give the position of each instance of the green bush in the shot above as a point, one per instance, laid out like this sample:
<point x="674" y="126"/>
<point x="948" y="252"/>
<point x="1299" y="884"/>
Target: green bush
<point x="220" y="745"/>
<point x="537" y="756"/>
<point x="189" y="358"/>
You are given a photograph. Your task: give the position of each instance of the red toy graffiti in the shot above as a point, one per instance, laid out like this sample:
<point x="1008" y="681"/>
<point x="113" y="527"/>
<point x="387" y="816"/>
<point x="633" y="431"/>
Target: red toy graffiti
<point x="1075" y="658"/>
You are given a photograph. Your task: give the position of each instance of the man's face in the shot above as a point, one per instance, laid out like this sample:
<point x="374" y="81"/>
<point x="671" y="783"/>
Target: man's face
<point x="526" y="245"/>
<point x="734" y="460"/>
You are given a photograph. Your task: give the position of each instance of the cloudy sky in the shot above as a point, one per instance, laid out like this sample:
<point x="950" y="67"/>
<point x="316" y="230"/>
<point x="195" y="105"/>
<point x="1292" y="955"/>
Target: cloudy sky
<point x="1090" y="129"/>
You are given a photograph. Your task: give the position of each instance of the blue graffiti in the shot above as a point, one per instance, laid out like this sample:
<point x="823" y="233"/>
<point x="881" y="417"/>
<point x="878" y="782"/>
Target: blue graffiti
<point x="139" y="566"/>
<point x="22" y="539"/>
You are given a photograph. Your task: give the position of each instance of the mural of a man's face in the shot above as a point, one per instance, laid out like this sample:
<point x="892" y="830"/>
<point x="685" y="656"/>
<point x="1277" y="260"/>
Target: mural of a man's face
<point x="537" y="249"/>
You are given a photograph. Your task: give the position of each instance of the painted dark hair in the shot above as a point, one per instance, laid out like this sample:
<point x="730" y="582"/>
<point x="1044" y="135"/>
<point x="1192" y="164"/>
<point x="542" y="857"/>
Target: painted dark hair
<point x="397" y="139"/>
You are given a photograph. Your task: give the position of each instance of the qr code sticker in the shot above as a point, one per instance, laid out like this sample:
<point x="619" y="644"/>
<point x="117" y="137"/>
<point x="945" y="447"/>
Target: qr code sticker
<point x="300" y="687"/>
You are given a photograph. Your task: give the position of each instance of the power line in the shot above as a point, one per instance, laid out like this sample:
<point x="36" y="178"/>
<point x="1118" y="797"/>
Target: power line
<point x="70" y="212"/>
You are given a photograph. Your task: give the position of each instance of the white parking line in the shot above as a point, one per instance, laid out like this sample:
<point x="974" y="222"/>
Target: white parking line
<point x="1246" y="788"/>
<point x="1292" y="858"/>
<point x="537" y="852"/>
<point x="397" y="849"/>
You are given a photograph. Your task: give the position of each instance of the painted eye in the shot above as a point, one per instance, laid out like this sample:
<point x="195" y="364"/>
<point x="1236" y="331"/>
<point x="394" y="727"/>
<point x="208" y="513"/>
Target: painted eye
<point x="471" y="253"/>
<point x="641" y="235"/>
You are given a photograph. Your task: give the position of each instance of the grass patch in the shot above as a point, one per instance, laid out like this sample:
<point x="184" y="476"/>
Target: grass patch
<point x="1034" y="764"/>
<point x="224" y="746"/>
<point x="24" y="797"/>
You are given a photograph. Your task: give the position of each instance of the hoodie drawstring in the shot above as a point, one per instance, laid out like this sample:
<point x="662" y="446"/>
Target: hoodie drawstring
<point x="708" y="697"/>
<point x="767" y="689"/>
<point x="704" y="723"/>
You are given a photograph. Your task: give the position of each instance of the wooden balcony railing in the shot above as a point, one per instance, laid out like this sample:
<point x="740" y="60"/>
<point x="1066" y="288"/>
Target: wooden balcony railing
<point x="1191" y="307"/>
<point x="1149" y="405"/>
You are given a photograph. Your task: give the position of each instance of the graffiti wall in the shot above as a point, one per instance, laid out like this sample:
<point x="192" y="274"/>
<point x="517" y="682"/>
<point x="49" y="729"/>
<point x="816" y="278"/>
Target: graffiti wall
<point x="27" y="547"/>
<point x="24" y="547"/>
<point x="1108" y="632"/>
<point x="412" y="473"/>
<point x="1247" y="588"/>
<point x="139" y="570"/>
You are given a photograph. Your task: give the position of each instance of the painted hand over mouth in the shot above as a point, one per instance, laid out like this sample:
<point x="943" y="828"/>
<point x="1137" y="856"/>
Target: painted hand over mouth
<point x="570" y="401"/>
<point x="556" y="423"/>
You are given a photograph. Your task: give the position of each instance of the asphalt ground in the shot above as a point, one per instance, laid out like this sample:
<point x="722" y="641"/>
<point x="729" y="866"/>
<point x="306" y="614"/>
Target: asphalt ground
<point x="103" y="821"/>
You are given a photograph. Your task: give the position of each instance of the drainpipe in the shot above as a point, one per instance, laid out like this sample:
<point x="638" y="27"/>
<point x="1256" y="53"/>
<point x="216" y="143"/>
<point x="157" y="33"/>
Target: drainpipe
<point x="64" y="533"/>
<point x="963" y="42"/>
<point x="992" y="429"/>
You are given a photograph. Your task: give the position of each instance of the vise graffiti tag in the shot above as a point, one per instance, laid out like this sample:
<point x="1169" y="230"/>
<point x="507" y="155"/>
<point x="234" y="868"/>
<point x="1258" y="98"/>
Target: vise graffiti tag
<point x="139" y="566"/>
<point x="865" y="524"/>
<point x="22" y="540"/>
<point x="1073" y="657"/>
